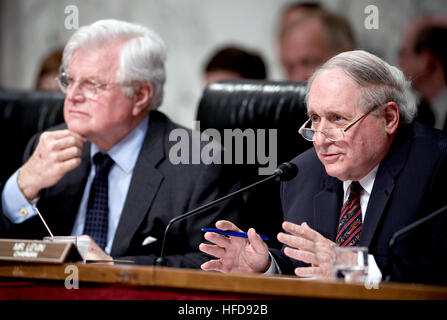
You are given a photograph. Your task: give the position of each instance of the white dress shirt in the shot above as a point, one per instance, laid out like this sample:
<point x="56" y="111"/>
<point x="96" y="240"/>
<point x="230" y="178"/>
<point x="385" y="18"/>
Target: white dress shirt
<point x="125" y="153"/>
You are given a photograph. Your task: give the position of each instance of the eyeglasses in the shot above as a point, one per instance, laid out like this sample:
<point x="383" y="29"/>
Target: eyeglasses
<point x="332" y="134"/>
<point x="89" y="88"/>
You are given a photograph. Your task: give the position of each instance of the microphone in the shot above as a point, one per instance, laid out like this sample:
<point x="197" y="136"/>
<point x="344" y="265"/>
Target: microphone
<point x="404" y="232"/>
<point x="284" y="172"/>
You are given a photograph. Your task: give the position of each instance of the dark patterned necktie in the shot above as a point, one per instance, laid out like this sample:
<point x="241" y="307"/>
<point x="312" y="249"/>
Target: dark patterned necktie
<point x="350" y="223"/>
<point x="97" y="217"/>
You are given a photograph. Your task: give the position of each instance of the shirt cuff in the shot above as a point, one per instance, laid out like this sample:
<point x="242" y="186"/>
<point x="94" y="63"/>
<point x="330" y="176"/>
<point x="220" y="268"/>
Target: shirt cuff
<point x="14" y="204"/>
<point x="274" y="268"/>
<point x="374" y="273"/>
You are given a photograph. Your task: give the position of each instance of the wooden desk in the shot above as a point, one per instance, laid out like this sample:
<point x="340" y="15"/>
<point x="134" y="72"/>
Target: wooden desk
<point x="97" y="281"/>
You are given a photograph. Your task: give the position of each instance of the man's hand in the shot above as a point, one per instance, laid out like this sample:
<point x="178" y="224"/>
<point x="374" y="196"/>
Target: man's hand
<point x="235" y="254"/>
<point x="57" y="153"/>
<point x="307" y="245"/>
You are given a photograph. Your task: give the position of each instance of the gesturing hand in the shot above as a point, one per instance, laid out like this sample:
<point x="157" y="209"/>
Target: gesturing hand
<point x="235" y="254"/>
<point x="307" y="245"/>
<point x="57" y="153"/>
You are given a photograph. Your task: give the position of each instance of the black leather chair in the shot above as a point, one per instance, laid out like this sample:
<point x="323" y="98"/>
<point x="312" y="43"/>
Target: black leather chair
<point x="258" y="104"/>
<point x="22" y="114"/>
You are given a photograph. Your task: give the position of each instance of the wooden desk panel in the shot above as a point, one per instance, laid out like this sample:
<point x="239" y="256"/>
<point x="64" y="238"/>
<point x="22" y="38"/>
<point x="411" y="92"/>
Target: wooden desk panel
<point x="96" y="281"/>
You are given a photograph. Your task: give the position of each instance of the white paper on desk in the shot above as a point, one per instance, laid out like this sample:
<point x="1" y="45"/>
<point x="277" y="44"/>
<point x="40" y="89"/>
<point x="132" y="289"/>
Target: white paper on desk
<point x="290" y="277"/>
<point x="148" y="240"/>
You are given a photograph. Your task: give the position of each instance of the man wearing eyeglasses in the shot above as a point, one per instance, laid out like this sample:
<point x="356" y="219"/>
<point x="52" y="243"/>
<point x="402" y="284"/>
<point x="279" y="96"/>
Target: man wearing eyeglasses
<point x="106" y="173"/>
<point x="372" y="172"/>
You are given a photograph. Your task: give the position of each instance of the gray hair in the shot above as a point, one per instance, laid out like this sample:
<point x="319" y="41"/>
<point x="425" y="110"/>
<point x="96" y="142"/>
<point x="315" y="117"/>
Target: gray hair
<point x="379" y="81"/>
<point x="142" y="56"/>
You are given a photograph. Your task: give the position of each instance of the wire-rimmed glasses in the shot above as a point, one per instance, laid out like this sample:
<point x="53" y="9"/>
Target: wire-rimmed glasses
<point x="332" y="134"/>
<point x="89" y="88"/>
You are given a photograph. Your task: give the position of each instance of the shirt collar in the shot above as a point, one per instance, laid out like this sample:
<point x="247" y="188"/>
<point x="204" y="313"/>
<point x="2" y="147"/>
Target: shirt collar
<point x="367" y="182"/>
<point x="125" y="152"/>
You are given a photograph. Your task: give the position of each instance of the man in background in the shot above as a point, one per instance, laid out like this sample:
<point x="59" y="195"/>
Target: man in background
<point x="308" y="36"/>
<point x="423" y="58"/>
<point x="234" y="63"/>
<point x="49" y="70"/>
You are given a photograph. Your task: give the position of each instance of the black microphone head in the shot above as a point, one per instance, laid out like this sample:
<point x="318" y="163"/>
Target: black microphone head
<point x="286" y="171"/>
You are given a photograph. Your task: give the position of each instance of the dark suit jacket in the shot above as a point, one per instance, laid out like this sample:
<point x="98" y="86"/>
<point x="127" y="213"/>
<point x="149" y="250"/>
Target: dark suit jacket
<point x="410" y="183"/>
<point x="158" y="192"/>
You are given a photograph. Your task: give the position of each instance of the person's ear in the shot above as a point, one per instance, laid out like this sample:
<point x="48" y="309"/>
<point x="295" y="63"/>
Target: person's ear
<point x="142" y="97"/>
<point x="391" y="117"/>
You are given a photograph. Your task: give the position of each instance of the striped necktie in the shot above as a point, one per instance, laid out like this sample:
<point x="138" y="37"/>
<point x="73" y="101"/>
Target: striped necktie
<point x="350" y="224"/>
<point x="97" y="217"/>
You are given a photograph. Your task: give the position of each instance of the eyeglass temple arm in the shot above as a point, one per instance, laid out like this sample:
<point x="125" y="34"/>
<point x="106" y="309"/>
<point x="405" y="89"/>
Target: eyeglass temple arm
<point x="303" y="126"/>
<point x="352" y="124"/>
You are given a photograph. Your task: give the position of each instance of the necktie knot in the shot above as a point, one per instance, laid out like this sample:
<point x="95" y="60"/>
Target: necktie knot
<point x="356" y="188"/>
<point x="102" y="162"/>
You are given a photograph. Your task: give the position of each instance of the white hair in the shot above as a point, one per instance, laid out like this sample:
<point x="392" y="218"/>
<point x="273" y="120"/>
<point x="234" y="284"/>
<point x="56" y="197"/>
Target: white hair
<point x="142" y="56"/>
<point x="379" y="81"/>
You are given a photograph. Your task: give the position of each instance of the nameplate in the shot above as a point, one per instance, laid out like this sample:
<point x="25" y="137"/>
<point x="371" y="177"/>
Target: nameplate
<point x="38" y="251"/>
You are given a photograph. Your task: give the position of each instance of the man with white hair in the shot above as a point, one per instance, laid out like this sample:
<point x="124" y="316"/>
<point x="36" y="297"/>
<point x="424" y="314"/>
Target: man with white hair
<point x="106" y="172"/>
<point x="368" y="154"/>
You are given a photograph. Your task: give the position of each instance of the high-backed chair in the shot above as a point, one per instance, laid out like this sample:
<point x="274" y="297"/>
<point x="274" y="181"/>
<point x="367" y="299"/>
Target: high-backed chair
<point x="22" y="114"/>
<point x="258" y="104"/>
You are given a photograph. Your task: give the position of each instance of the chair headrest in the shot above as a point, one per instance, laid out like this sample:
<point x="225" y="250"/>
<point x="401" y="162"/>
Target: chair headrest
<point x="258" y="104"/>
<point x="252" y="104"/>
<point x="23" y="114"/>
<point x="31" y="110"/>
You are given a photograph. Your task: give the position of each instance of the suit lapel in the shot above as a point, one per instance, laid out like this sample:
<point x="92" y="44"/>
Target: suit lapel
<point x="145" y="182"/>
<point x="382" y="189"/>
<point x="384" y="184"/>
<point x="325" y="217"/>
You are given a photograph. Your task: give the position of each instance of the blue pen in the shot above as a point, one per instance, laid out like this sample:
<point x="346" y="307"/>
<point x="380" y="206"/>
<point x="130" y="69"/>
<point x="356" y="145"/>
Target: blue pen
<point x="232" y="233"/>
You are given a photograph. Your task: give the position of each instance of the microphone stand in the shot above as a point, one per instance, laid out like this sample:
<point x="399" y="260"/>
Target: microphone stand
<point x="284" y="172"/>
<point x="405" y="231"/>
<point x="161" y="260"/>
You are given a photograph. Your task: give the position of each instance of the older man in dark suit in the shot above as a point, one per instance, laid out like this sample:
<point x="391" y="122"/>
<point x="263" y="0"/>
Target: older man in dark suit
<point x="360" y="121"/>
<point x="107" y="172"/>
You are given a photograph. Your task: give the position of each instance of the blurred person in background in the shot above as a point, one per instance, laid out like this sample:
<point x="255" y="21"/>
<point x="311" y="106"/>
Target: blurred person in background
<point x="234" y="63"/>
<point x="49" y="70"/>
<point x="308" y="36"/>
<point x="423" y="58"/>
